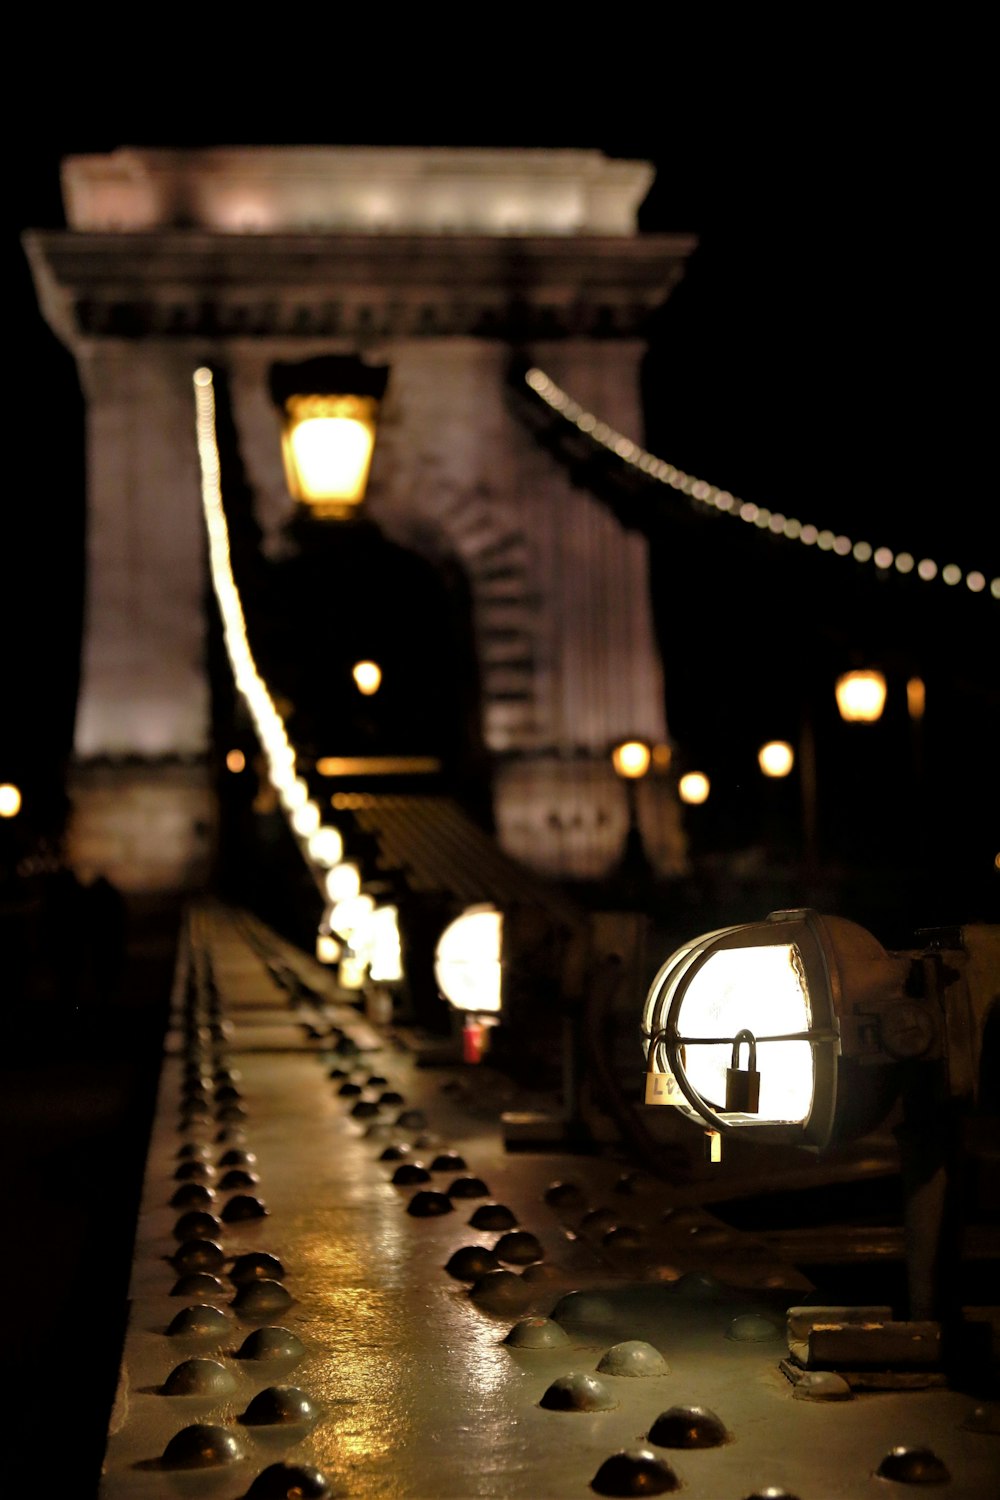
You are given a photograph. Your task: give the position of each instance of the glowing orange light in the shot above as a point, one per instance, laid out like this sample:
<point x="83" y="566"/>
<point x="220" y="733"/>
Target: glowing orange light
<point x="235" y="760"/>
<point x="662" y="756"/>
<point x="367" y="676"/>
<point x="916" y="697"/>
<point x="776" y="758"/>
<point x="693" y="788"/>
<point x="631" y="759"/>
<point x="10" y="800"/>
<point x="861" y="696"/>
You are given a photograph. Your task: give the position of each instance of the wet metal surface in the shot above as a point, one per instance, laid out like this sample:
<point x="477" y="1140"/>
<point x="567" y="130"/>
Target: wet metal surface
<point x="384" y="1373"/>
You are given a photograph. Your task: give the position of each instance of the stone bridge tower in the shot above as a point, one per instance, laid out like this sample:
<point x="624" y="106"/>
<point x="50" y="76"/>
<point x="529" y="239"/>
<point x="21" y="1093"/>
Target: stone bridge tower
<point x="439" y="264"/>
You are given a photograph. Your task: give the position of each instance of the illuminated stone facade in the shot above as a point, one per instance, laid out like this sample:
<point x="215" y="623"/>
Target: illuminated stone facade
<point x="440" y="264"/>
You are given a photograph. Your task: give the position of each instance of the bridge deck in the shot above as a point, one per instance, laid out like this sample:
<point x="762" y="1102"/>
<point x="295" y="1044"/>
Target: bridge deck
<point x="413" y="1392"/>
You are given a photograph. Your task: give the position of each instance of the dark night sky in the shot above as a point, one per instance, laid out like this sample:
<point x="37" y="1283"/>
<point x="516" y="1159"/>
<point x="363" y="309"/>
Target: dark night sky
<point x="827" y="354"/>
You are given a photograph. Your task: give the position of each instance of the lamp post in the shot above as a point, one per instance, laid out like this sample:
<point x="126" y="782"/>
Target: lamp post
<point x="329" y="409"/>
<point x="631" y="759"/>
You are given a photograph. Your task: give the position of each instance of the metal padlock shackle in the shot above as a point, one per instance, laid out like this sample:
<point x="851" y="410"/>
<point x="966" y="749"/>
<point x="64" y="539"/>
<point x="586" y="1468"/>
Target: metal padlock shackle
<point x="745" y="1036"/>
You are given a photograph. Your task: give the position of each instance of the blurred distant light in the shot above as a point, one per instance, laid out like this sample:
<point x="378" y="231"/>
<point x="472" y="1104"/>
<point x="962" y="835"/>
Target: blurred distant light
<point x="776" y="758"/>
<point x="235" y="760"/>
<point x="793" y="528"/>
<point x="862" y="552"/>
<point x="467" y="960"/>
<point x="861" y="696"/>
<point x="916" y="697"/>
<point x="631" y="759"/>
<point x="883" y="557"/>
<point x="927" y="569"/>
<point x="693" y="788"/>
<point x="662" y="756"/>
<point x="748" y="511"/>
<point x="808" y="535"/>
<point x="825" y="540"/>
<point x="975" y="581"/>
<point x="367" y="676"/>
<point x="10" y="800"/>
<point x="842" y="545"/>
<point x="951" y="574"/>
<point x="904" y="562"/>
<point x="327" y="948"/>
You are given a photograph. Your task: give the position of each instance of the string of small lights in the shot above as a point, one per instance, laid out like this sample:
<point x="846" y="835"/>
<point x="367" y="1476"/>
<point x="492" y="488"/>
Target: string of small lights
<point x="321" y="845"/>
<point x="927" y="570"/>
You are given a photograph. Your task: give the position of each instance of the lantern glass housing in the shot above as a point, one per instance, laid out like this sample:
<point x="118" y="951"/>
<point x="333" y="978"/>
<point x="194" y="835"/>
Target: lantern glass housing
<point x="350" y="916"/>
<point x="327" y="444"/>
<point x="772" y="980"/>
<point x="329" y="412"/>
<point x="467" y="960"/>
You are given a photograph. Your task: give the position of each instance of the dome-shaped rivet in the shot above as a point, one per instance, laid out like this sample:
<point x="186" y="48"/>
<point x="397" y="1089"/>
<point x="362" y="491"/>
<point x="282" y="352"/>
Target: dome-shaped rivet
<point x="192" y="1195"/>
<point x="279" y="1403"/>
<point x="500" y="1291"/>
<point x="230" y="1112"/>
<point x="518" y="1248"/>
<point x="243" y="1206"/>
<point x="194" y="1170"/>
<point x="390" y="1098"/>
<point x="197" y="1225"/>
<point x="411" y="1119"/>
<point x="376" y="1081"/>
<point x="598" y="1221"/>
<point x="448" y="1161"/>
<point x="271" y="1343"/>
<point x="578" y="1391"/>
<point x="635" y="1471"/>
<point x="624" y="1237"/>
<point x="564" y="1195"/>
<point x="537" y="1333"/>
<point x="468" y="1187"/>
<point x="699" y="1286"/>
<point x="200" y="1320"/>
<point x="583" y="1307"/>
<point x="198" y="1255"/>
<point x="634" y="1357"/>
<point x="289" y="1482"/>
<point x="365" y="1109"/>
<point x="237" y="1157"/>
<point x="470" y="1262"/>
<point x="237" y="1177"/>
<point x="201" y="1447"/>
<point x="752" y="1328"/>
<point x="349" y="1090"/>
<point x="913" y="1466"/>
<point x="198" y="1284"/>
<point x="428" y="1205"/>
<point x="261" y="1296"/>
<point x="256" y="1265"/>
<point x="493" y="1216"/>
<point x="193" y="1151"/>
<point x="410" y="1172"/>
<point x="821" y="1385"/>
<point x="688" y="1427"/>
<point x="199" y="1377"/>
<point x="396" y="1152"/>
<point x="540" y="1271"/>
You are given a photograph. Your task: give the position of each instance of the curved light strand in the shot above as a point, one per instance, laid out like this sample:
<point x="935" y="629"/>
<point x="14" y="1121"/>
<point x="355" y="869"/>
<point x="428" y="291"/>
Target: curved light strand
<point x="926" y="569"/>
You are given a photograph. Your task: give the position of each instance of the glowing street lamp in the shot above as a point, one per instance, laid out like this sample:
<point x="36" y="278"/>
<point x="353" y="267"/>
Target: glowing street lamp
<point x="367" y="677"/>
<point x="861" y="696"/>
<point x="326" y="846"/>
<point x="468" y="973"/>
<point x="776" y="758"/>
<point x="693" y="788"/>
<point x="343" y="881"/>
<point x="631" y="759"/>
<point x="10" y="800"/>
<point x="329" y="411"/>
